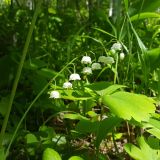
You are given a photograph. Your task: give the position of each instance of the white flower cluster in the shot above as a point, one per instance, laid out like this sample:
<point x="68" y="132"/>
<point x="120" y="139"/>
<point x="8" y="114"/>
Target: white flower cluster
<point x="88" y="70"/>
<point x="117" y="47"/>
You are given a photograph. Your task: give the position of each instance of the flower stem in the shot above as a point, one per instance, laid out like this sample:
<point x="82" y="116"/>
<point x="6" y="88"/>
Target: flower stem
<point x="18" y="74"/>
<point x="32" y="103"/>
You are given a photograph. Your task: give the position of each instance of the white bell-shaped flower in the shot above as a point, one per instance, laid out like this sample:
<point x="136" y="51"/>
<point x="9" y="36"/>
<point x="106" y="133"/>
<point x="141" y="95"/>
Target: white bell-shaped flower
<point x="96" y="66"/>
<point x="87" y="70"/>
<point x="74" y="77"/>
<point x="67" y="85"/>
<point x="116" y="46"/>
<point x="106" y="60"/>
<point x="122" y="55"/>
<point x="86" y="60"/>
<point x="54" y="94"/>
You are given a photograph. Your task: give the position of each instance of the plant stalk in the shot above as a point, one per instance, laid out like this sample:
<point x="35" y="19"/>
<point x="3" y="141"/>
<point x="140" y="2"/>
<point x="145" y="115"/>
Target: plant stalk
<point x="18" y="74"/>
<point x="33" y="102"/>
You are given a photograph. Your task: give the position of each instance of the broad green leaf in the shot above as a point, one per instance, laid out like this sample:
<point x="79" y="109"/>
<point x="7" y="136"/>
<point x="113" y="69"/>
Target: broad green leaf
<point x="150" y="5"/>
<point x="75" y="158"/>
<point x="153" y="127"/>
<point x="75" y="95"/>
<point x="129" y="105"/>
<point x="50" y="154"/>
<point x="99" y="128"/>
<point x="144" y="16"/>
<point x="144" y="151"/>
<point x="86" y="126"/>
<point x="105" y="126"/>
<point x="103" y="88"/>
<point x="111" y="89"/>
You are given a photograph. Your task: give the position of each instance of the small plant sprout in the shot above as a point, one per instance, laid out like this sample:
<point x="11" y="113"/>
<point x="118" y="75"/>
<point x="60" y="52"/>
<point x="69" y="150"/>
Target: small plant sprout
<point x="116" y="46"/>
<point x="87" y="70"/>
<point x="54" y="94"/>
<point x="86" y="60"/>
<point x="122" y="55"/>
<point x="96" y="66"/>
<point x="106" y="60"/>
<point x="74" y="77"/>
<point x="67" y="85"/>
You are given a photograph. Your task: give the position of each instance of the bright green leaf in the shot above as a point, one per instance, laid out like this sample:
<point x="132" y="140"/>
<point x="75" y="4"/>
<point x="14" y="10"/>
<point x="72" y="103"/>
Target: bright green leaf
<point x="129" y="105"/>
<point x="144" y="16"/>
<point x="31" y="138"/>
<point x="51" y="154"/>
<point x="75" y="158"/>
<point x="142" y="152"/>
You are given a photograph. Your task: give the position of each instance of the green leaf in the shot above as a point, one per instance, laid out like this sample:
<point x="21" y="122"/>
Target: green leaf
<point x="144" y="16"/>
<point x="126" y="4"/>
<point x="4" y="105"/>
<point x="75" y="94"/>
<point x="48" y="73"/>
<point x="153" y="127"/>
<point x="150" y="5"/>
<point x="31" y="138"/>
<point x="140" y="43"/>
<point x="75" y="116"/>
<point x="99" y="128"/>
<point x="129" y="105"/>
<point x="152" y="58"/>
<point x="51" y="11"/>
<point x="86" y="126"/>
<point x="103" y="88"/>
<point x="50" y="154"/>
<point x="34" y="64"/>
<point x="105" y="32"/>
<point x="105" y="126"/>
<point x="2" y="155"/>
<point x="75" y="158"/>
<point x="142" y="152"/>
